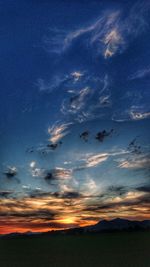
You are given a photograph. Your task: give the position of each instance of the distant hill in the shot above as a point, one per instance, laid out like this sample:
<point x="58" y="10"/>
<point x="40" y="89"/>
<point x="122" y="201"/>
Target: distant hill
<point x="117" y="224"/>
<point x="112" y="225"/>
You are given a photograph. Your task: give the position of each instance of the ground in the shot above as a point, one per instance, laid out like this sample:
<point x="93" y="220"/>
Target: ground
<point x="103" y="250"/>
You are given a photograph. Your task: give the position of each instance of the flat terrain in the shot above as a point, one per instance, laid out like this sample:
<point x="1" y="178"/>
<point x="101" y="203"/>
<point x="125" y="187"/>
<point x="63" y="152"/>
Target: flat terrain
<point x="103" y="250"/>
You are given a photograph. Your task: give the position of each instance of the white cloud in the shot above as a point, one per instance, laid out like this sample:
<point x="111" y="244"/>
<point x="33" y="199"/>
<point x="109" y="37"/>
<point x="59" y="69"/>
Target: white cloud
<point x="89" y="187"/>
<point x="139" y="115"/>
<point x="61" y="173"/>
<point x="26" y="187"/>
<point x="37" y="172"/>
<point x="77" y="75"/>
<point x="32" y="164"/>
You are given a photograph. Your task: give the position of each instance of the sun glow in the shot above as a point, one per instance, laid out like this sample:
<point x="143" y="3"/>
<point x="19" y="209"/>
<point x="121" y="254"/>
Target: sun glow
<point x="68" y="220"/>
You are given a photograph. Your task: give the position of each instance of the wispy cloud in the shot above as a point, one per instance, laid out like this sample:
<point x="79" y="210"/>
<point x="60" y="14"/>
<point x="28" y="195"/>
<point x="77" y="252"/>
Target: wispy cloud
<point x="112" y="41"/>
<point x="88" y="102"/>
<point x="58" y="131"/>
<point x="136" y="163"/>
<point x="90" y="160"/>
<point x="95" y="160"/>
<point x="53" y="84"/>
<point x="77" y="102"/>
<point x="140" y="74"/>
<point x="108" y="35"/>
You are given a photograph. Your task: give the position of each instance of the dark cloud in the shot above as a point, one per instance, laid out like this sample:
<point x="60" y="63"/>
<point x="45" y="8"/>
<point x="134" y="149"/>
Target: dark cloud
<point x="30" y="150"/>
<point x="134" y="147"/>
<point x="20" y="204"/>
<point x="64" y="195"/>
<point x="39" y="194"/>
<point x="71" y="194"/>
<point x="44" y="214"/>
<point x="11" y="172"/>
<point x="5" y="194"/>
<point x="53" y="146"/>
<point x="10" y="175"/>
<point x="103" y="134"/>
<point x="49" y="176"/>
<point x="144" y="188"/>
<point x="84" y="135"/>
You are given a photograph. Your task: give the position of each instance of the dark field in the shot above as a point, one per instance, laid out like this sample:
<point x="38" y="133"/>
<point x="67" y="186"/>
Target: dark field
<point x="103" y="250"/>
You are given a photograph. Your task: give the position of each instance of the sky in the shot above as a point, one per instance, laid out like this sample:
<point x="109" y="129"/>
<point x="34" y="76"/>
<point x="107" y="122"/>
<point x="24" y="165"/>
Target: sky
<point x="74" y="113"/>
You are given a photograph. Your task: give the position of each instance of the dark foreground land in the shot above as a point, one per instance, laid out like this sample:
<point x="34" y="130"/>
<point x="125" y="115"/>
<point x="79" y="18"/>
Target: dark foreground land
<point x="103" y="250"/>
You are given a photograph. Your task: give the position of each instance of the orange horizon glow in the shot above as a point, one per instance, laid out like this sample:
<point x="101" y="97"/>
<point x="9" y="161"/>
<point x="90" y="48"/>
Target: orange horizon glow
<point x="15" y="228"/>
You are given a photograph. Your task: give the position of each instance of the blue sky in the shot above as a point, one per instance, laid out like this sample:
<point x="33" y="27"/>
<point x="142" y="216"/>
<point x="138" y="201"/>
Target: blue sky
<point x="74" y="131"/>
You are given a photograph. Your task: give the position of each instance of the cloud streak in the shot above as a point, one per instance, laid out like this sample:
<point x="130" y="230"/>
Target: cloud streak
<point x="140" y="74"/>
<point x="58" y="131"/>
<point x="95" y="160"/>
<point x="136" y="163"/>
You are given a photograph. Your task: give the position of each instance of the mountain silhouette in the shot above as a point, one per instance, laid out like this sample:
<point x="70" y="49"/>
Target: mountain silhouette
<point x="118" y="224"/>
